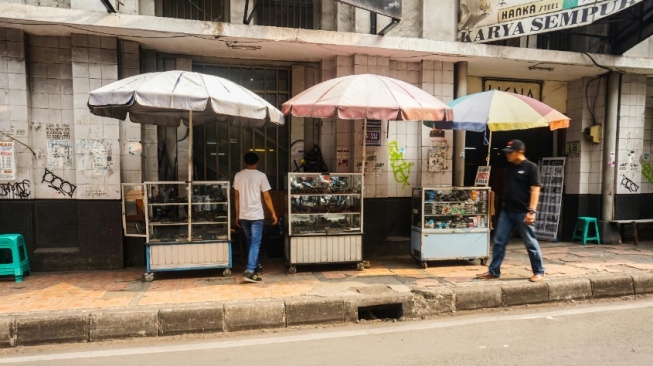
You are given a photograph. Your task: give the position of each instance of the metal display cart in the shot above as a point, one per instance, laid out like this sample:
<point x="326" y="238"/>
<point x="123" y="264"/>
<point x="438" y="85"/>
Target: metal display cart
<point x="450" y="223"/>
<point x="186" y="225"/>
<point x="325" y="219"/>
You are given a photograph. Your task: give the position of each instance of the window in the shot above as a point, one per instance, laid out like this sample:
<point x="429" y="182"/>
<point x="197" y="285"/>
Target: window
<point x="219" y="148"/>
<point x="207" y="10"/>
<point x="285" y="13"/>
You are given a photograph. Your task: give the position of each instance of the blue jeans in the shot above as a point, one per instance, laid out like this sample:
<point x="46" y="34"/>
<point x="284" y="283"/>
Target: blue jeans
<point x="508" y="221"/>
<point x="253" y="231"/>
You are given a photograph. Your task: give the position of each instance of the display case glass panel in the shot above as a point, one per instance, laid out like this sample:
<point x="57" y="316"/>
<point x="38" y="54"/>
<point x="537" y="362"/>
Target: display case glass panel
<point x="325" y="204"/>
<point x="133" y="209"/>
<point x="182" y="212"/>
<point x="450" y="208"/>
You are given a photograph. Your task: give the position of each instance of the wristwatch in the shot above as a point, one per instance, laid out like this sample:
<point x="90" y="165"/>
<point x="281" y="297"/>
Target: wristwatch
<point x="531" y="211"/>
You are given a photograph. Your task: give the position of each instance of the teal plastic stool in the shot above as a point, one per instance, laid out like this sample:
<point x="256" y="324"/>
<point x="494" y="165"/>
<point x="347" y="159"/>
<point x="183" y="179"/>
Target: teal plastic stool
<point x="17" y="264"/>
<point x="581" y="231"/>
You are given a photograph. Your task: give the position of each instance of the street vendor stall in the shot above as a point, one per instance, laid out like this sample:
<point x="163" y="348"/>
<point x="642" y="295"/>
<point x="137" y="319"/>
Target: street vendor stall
<point x="325" y="217"/>
<point x="186" y="223"/>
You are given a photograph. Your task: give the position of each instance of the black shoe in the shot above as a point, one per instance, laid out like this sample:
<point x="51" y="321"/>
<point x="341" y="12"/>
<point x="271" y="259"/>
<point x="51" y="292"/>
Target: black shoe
<point x="251" y="277"/>
<point x="258" y="270"/>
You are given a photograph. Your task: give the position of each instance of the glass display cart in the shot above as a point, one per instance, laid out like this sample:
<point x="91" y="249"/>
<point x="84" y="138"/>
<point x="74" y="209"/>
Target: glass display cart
<point x="325" y="219"/>
<point x="450" y="223"/>
<point x="186" y="225"/>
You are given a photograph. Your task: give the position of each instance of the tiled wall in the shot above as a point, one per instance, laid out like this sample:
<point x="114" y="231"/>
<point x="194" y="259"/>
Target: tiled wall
<point x="131" y="141"/>
<point x="97" y="149"/>
<point x="583" y="174"/>
<point x="401" y="162"/>
<point x="75" y="154"/>
<point x="53" y="130"/>
<point x="585" y="107"/>
<point x="14" y="108"/>
<point x="630" y="144"/>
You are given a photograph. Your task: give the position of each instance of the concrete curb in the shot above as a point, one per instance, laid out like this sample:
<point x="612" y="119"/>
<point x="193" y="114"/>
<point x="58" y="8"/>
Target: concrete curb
<point x="201" y="319"/>
<point x="123" y="324"/>
<point x="254" y="315"/>
<point x="98" y="325"/>
<point x="65" y="328"/>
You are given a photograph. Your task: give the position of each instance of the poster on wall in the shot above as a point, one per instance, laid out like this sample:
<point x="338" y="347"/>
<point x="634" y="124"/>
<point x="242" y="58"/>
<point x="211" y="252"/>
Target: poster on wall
<point x="7" y="161"/>
<point x="552" y="174"/>
<point x="373" y="135"/>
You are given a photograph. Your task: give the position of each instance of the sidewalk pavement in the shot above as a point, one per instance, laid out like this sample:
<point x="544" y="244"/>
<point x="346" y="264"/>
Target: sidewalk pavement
<point x="98" y="305"/>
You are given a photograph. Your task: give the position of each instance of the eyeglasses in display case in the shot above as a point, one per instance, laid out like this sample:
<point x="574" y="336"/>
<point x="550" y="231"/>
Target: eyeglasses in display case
<point x="325" y="219"/>
<point x="186" y="225"/>
<point x="450" y="223"/>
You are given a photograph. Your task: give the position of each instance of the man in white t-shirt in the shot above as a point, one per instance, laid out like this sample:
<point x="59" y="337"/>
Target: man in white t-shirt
<point x="249" y="185"/>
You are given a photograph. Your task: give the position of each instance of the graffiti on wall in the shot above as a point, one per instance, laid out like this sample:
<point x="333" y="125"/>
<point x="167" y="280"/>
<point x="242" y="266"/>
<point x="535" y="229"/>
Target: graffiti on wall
<point x="19" y="190"/>
<point x="629" y="184"/>
<point x="60" y="154"/>
<point x="647" y="169"/>
<point x="58" y="184"/>
<point x="400" y="168"/>
<point x="94" y="157"/>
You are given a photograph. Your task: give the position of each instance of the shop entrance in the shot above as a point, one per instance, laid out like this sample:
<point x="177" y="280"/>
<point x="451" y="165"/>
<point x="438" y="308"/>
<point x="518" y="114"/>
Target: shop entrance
<point x="539" y="144"/>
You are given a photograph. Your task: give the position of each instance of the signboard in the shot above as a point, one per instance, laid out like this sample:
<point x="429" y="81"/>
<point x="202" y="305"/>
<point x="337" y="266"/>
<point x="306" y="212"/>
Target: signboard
<point x="482" y="176"/>
<point x="529" y="88"/>
<point x="373" y="135"/>
<point x="389" y="8"/>
<point x="572" y="150"/>
<point x="7" y="161"/>
<point x="552" y="174"/>
<point x="493" y="20"/>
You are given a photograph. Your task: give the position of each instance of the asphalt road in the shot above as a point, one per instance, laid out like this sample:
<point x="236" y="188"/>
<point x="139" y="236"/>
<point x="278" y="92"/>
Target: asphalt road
<point x="606" y="333"/>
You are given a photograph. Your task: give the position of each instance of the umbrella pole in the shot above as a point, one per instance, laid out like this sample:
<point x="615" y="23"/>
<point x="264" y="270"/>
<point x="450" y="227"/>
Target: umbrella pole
<point x="190" y="169"/>
<point x="489" y="149"/>
<point x="364" y="140"/>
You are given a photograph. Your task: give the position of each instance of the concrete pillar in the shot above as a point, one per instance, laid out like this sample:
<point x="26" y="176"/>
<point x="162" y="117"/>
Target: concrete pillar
<point x="458" y="158"/>
<point x="608" y="190"/>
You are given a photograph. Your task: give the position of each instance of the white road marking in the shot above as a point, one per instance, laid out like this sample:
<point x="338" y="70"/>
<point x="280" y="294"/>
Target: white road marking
<point x="418" y="326"/>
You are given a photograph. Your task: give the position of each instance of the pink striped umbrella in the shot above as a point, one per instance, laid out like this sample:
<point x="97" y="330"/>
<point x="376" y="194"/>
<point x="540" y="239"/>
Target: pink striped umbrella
<point x="367" y="96"/>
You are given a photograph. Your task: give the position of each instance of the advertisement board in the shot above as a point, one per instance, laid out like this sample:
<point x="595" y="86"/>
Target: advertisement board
<point x="493" y="20"/>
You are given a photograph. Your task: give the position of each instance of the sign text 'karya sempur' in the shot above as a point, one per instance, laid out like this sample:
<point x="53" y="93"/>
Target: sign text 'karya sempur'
<point x="575" y="17"/>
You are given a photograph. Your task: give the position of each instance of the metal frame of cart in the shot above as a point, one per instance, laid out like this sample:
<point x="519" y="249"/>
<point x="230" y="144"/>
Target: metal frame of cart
<point x="325" y="219"/>
<point x="183" y="231"/>
<point x="450" y="223"/>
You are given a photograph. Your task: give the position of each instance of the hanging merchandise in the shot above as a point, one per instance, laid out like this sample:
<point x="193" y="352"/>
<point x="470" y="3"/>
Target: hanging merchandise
<point x="313" y="161"/>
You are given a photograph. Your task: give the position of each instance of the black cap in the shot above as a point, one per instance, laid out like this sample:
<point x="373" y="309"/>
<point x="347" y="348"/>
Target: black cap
<point x="514" y="145"/>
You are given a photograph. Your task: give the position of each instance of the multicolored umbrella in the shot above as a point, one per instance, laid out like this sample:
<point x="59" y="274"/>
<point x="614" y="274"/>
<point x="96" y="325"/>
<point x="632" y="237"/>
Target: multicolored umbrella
<point x="500" y="111"/>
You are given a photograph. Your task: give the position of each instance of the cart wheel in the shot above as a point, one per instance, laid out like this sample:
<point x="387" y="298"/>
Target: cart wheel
<point x="148" y="277"/>
<point x="360" y="266"/>
<point x="424" y="265"/>
<point x="483" y="261"/>
<point x="226" y="272"/>
<point x="292" y="269"/>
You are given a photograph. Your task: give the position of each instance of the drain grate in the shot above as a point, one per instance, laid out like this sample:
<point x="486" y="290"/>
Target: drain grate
<point x="386" y="311"/>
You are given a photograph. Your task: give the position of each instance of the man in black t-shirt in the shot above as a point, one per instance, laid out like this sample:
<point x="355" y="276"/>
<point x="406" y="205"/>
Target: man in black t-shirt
<point x="522" y="192"/>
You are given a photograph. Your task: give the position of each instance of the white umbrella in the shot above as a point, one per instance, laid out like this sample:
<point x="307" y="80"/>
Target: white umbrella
<point x="166" y="98"/>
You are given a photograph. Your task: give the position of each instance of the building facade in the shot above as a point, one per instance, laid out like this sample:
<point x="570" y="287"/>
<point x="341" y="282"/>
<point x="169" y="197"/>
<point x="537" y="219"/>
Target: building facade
<point x="63" y="167"/>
